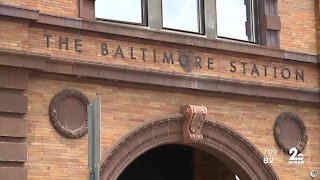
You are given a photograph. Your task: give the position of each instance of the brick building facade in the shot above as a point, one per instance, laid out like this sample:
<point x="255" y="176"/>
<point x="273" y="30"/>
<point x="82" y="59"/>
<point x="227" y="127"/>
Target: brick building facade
<point x="144" y="78"/>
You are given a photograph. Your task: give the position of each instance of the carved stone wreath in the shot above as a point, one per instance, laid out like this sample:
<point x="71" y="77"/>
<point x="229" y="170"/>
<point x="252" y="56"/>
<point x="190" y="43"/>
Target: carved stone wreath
<point x="277" y="134"/>
<point x="54" y="115"/>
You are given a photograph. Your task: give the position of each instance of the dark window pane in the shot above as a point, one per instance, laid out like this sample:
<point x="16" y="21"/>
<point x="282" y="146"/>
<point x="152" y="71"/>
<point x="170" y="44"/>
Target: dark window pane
<point x="120" y="10"/>
<point x="180" y="15"/>
<point x="232" y="18"/>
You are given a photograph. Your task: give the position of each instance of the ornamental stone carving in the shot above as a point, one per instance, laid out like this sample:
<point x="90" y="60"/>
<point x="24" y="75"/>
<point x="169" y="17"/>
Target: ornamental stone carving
<point x="218" y="139"/>
<point x="290" y="131"/>
<point x="68" y="113"/>
<point x="195" y="116"/>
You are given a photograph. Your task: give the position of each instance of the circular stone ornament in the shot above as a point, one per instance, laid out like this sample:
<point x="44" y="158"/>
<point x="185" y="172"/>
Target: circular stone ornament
<point x="68" y="113"/>
<point x="289" y="131"/>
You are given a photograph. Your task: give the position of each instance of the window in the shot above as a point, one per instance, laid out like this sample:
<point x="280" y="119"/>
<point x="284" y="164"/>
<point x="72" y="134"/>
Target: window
<point x="131" y="11"/>
<point x="235" y="19"/>
<point x="182" y="15"/>
<point x="231" y="19"/>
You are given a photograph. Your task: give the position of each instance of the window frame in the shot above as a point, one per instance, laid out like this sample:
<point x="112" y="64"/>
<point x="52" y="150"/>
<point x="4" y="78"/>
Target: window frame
<point x="144" y="16"/>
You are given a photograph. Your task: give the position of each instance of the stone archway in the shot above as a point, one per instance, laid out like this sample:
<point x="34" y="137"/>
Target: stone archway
<point x="220" y="141"/>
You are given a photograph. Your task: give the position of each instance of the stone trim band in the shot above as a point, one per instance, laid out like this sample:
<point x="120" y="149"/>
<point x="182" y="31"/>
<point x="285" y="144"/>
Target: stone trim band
<point x="48" y="64"/>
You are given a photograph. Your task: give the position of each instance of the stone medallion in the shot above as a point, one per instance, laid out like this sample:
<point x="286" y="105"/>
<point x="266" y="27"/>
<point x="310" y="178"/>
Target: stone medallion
<point x="68" y="113"/>
<point x="289" y="131"/>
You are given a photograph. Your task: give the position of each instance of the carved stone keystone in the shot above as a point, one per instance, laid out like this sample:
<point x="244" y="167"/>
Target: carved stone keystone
<point x="195" y="116"/>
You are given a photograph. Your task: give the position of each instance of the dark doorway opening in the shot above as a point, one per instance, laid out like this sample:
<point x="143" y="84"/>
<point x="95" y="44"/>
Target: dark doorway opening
<point x="176" y="162"/>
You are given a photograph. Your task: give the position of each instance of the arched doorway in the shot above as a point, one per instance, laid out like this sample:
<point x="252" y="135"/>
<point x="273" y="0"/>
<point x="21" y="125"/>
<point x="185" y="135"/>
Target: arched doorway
<point x="223" y="143"/>
<point x="172" y="162"/>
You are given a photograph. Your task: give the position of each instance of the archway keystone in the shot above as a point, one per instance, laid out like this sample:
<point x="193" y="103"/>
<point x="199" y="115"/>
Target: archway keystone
<point x="195" y="116"/>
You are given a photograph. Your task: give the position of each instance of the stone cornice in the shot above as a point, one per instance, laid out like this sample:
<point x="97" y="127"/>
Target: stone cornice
<point x="140" y="32"/>
<point x="49" y="64"/>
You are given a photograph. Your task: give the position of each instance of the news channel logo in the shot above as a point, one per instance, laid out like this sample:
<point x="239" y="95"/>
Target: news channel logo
<point x="272" y="154"/>
<point x="296" y="157"/>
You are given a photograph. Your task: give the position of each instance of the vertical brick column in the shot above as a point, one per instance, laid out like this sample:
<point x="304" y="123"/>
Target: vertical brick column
<point x="13" y="129"/>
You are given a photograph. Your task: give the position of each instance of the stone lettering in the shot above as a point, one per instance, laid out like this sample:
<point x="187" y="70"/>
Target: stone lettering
<point x="244" y="67"/>
<point x="210" y="63"/>
<point x="185" y="60"/>
<point x="198" y="62"/>
<point x="143" y="50"/>
<point x="77" y="45"/>
<point x="299" y="75"/>
<point x="48" y="39"/>
<point x="104" y="49"/>
<point x="285" y="73"/>
<point x="65" y="42"/>
<point x="232" y="64"/>
<point x="255" y="70"/>
<point x="119" y="52"/>
<point x="131" y="53"/>
<point x="265" y="70"/>
<point x="167" y="58"/>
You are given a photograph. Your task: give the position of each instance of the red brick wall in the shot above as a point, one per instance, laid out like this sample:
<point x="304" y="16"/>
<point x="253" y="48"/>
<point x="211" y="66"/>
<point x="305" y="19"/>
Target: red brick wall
<point x="51" y="156"/>
<point x="67" y="8"/>
<point x="298" y="24"/>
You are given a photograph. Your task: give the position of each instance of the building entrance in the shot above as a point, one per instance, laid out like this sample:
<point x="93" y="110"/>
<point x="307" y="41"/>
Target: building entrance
<point x="157" y="149"/>
<point x="172" y="162"/>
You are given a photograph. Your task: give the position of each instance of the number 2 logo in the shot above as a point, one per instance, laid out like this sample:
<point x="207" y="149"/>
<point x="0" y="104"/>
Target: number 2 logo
<point x="294" y="155"/>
